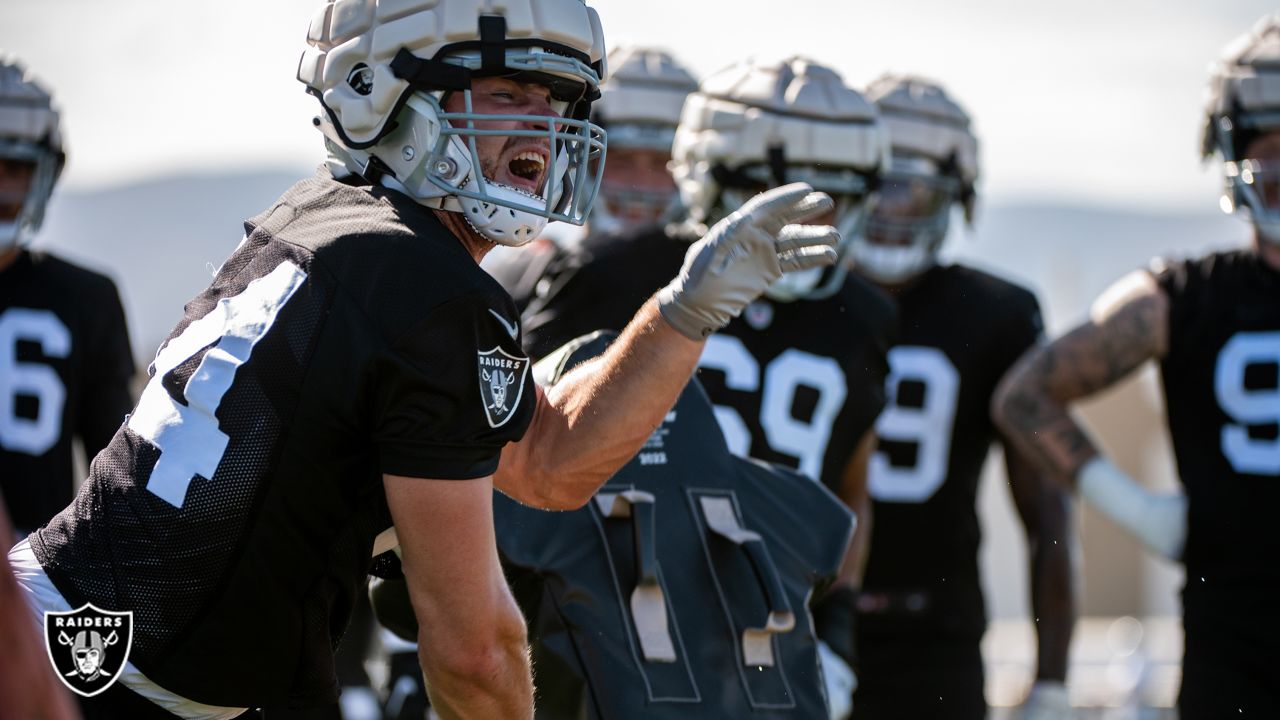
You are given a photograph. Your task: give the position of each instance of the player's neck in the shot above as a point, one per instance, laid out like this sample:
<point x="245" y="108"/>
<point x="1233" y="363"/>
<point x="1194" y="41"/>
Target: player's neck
<point x="476" y="245"/>
<point x="8" y="257"/>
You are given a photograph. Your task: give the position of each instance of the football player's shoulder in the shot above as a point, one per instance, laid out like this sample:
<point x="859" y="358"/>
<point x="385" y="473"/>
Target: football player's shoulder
<point x="645" y="244"/>
<point x="641" y="260"/>
<point x="990" y="290"/>
<point x="71" y="277"/>
<point x="875" y="306"/>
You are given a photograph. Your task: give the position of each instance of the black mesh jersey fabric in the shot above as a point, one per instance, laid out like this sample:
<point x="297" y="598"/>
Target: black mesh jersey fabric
<point x="961" y="329"/>
<point x="341" y="341"/>
<point x="63" y="331"/>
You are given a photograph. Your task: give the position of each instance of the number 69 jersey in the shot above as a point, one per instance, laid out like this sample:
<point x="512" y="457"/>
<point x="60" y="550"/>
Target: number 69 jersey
<point x="1222" y="396"/>
<point x="795" y="383"/>
<point x="961" y="330"/>
<point x="234" y="513"/>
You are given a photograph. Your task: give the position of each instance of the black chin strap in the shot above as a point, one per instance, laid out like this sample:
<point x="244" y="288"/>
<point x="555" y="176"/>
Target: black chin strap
<point x="493" y="44"/>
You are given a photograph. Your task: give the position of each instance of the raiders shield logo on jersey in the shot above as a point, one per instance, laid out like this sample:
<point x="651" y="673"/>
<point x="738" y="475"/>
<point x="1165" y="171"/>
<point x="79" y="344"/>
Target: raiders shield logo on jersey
<point x="501" y="383"/>
<point x="88" y="647"/>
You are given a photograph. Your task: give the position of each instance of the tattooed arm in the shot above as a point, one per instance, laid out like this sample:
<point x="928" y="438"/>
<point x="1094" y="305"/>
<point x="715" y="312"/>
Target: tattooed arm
<point x="1128" y="325"/>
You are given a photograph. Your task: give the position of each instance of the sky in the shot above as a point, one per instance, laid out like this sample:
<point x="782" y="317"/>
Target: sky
<point x="1092" y="101"/>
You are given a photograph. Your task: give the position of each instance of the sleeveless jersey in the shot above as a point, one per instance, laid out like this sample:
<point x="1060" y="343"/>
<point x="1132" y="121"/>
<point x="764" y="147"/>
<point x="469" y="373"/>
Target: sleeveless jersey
<point x="1222" y="397"/>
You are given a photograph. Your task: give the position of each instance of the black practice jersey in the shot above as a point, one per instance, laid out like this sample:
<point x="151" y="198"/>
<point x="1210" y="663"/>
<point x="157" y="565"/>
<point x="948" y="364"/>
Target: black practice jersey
<point x="796" y="383"/>
<point x="350" y="335"/>
<point x="961" y="329"/>
<point x="1222" y="396"/>
<point x="65" y="366"/>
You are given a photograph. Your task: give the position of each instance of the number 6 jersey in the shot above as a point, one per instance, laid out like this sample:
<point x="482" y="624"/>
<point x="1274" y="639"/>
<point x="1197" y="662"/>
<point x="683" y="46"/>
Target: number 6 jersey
<point x="65" y="366"/>
<point x="350" y="335"/>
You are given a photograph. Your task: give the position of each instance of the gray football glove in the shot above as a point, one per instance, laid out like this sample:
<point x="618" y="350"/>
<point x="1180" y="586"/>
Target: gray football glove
<point x="745" y="252"/>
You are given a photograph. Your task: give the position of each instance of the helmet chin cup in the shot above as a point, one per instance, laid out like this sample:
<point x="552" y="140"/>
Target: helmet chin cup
<point x="890" y="265"/>
<point x="499" y="221"/>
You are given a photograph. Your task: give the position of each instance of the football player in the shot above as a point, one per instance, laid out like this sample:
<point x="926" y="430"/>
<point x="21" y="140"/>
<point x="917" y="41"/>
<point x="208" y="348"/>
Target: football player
<point x="922" y="614"/>
<point x="799" y="378"/>
<point x="639" y="107"/>
<point x="65" y="361"/>
<point x="351" y="367"/>
<point x="1213" y="325"/>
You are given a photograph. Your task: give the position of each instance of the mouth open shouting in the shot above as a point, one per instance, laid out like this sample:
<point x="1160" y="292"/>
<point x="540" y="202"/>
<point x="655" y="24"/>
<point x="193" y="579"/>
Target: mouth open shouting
<point x="521" y="165"/>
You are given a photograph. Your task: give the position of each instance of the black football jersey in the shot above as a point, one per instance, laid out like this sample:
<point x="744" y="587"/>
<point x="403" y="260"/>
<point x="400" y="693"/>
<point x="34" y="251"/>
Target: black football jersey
<point x="796" y="383"/>
<point x="350" y="335"/>
<point x="961" y="329"/>
<point x="1222" y="396"/>
<point x="65" y="366"/>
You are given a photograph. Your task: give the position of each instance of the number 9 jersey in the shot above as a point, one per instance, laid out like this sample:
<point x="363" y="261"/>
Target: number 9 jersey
<point x="1222" y="394"/>
<point x="961" y="330"/>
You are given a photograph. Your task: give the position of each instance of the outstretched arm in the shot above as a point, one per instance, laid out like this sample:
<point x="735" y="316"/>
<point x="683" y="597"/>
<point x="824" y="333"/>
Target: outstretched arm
<point x="599" y="415"/>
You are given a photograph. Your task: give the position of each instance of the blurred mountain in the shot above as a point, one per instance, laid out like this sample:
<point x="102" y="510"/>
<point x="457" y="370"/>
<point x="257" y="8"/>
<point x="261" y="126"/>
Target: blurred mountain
<point x="161" y="240"/>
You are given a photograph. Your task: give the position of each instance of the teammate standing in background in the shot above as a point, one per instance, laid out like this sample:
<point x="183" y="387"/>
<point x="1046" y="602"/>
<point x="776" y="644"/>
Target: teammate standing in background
<point x="922" y="614"/>
<point x="798" y="379"/>
<point x="639" y="107"/>
<point x="1213" y="325"/>
<point x="65" y="361"/>
<point x="351" y="365"/>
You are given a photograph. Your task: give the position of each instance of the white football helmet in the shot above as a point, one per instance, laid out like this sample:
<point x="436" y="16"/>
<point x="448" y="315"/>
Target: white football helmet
<point x="640" y="108"/>
<point x="28" y="133"/>
<point x="757" y="125"/>
<point x="381" y="69"/>
<point x="934" y="168"/>
<point x="1243" y="103"/>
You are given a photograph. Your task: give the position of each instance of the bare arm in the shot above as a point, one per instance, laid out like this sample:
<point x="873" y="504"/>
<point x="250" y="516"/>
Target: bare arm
<point x="853" y="492"/>
<point x="1127" y="326"/>
<point x="471" y="636"/>
<point x="598" y="416"/>
<point x="27" y="685"/>
<point x="1045" y="509"/>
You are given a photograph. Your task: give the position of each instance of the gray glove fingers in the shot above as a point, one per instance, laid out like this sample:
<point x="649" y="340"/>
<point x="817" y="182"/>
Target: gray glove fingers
<point x="773" y="203"/>
<point x="807" y="257"/>
<point x="814" y="205"/>
<point x="792" y="237"/>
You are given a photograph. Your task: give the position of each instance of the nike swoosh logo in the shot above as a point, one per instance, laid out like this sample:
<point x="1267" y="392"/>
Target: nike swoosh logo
<point x="512" y="328"/>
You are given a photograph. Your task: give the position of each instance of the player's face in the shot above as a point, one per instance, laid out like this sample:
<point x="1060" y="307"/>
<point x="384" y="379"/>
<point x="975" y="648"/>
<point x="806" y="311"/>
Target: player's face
<point x="641" y="172"/>
<point x="1263" y="154"/>
<point x="520" y="162"/>
<point x="15" y="183"/>
<point x="905" y="202"/>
